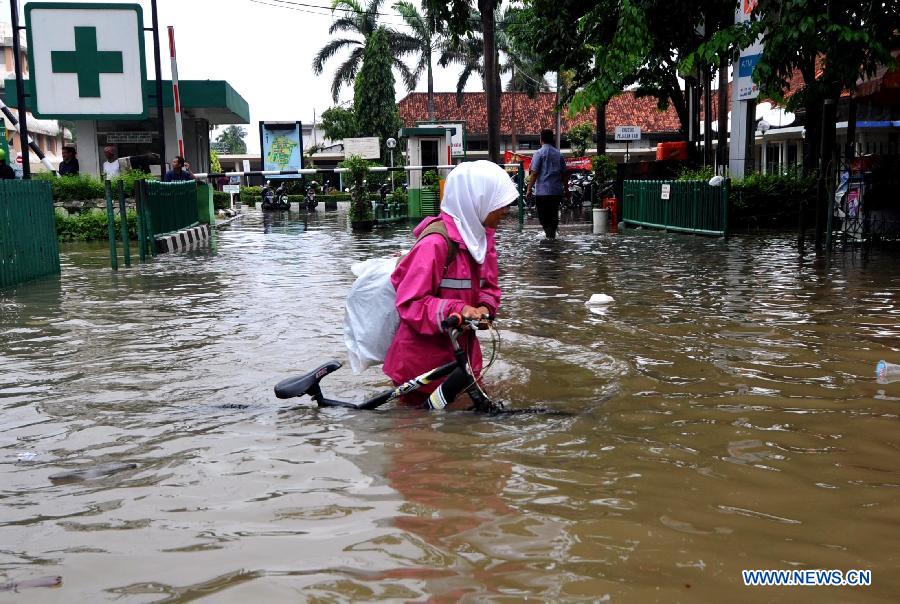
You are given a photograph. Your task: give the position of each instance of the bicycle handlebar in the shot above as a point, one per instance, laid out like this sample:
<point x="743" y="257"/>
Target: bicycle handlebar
<point x="456" y="320"/>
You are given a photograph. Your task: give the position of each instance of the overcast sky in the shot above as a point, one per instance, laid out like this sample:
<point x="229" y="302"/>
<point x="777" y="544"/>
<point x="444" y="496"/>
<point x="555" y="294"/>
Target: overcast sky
<point x="264" y="48"/>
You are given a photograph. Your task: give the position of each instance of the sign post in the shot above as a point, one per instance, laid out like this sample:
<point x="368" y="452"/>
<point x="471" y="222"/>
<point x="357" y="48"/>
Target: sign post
<point x="86" y="62"/>
<point x="232" y="190"/>
<point x="743" y="103"/>
<point x="628" y="134"/>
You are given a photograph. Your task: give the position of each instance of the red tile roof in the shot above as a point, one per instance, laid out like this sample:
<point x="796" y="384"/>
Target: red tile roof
<point x="535" y="114"/>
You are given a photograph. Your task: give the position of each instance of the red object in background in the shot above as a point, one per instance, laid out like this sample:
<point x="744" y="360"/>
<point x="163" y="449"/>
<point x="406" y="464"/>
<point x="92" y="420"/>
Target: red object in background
<point x="672" y="150"/>
<point x="579" y="163"/>
<point x="513" y="158"/>
<point x="612" y="204"/>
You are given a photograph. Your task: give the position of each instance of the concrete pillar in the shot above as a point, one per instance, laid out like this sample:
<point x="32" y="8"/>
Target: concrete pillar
<point x="88" y="147"/>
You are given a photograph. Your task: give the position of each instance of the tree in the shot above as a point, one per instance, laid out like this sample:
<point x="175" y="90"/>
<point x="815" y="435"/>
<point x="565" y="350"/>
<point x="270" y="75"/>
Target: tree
<point x="339" y="123"/>
<point x="519" y="62"/>
<point x="611" y="44"/>
<point x="831" y="44"/>
<point x="458" y="15"/>
<point x="231" y="141"/>
<point x="426" y="34"/>
<point x="373" y="92"/>
<point x="214" y="165"/>
<point x="362" y="22"/>
<point x="579" y="138"/>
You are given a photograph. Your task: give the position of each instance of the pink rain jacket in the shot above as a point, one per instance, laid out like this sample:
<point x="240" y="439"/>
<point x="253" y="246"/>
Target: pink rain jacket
<point x="426" y="296"/>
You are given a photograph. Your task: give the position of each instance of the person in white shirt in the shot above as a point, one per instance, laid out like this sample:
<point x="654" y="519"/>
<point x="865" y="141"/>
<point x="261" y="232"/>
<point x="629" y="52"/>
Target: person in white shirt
<point x="111" y="165"/>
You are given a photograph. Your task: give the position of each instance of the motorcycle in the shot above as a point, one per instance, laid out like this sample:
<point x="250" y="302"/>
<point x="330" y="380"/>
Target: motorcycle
<point x="275" y="202"/>
<point x="579" y="187"/>
<point x="310" y="200"/>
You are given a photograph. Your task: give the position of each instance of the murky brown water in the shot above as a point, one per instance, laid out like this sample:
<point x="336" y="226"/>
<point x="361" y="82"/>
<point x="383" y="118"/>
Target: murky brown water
<point x="725" y="417"/>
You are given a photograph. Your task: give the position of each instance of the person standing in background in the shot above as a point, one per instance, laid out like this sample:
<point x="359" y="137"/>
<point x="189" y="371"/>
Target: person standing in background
<point x="548" y="174"/>
<point x="111" y="165"/>
<point x="69" y="164"/>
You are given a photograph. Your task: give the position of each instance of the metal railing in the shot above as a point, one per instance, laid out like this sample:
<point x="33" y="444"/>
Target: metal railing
<point x="685" y="206"/>
<point x="28" y="245"/>
<point x="424" y="204"/>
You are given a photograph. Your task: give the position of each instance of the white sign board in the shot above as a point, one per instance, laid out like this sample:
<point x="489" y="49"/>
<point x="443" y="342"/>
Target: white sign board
<point x="87" y="60"/>
<point x="628" y="133"/>
<point x="457" y="138"/>
<point x="749" y="56"/>
<point x="232" y="188"/>
<point x="117" y="138"/>
<point x="666" y="191"/>
<point x="367" y="148"/>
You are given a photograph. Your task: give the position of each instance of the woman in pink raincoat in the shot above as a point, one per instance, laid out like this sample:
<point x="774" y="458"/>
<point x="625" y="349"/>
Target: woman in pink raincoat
<point x="476" y="195"/>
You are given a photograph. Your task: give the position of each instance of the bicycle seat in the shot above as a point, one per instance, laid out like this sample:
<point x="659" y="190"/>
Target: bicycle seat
<point x="307" y="383"/>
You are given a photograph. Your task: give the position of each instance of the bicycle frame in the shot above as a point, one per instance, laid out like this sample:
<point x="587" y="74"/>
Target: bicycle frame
<point x="458" y="373"/>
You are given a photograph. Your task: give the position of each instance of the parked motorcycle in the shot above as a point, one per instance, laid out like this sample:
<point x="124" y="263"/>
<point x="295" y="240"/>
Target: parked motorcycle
<point x="579" y="187"/>
<point x="274" y="202"/>
<point x="310" y="200"/>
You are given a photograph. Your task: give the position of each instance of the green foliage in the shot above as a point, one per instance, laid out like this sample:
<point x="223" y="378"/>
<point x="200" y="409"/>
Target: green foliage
<point x="360" y="204"/>
<point x="83" y="187"/>
<point x="214" y="165"/>
<point x="91" y="225"/>
<point x="580" y="137"/>
<point x="399" y="197"/>
<point x="231" y="141"/>
<point x="221" y="200"/>
<point x="353" y="18"/>
<point x="251" y="195"/>
<point x="527" y="74"/>
<point x="373" y="92"/>
<point x="771" y="199"/>
<point x="339" y="123"/>
<point x="604" y="168"/>
<point x="611" y="44"/>
<point x="703" y="174"/>
<point x="431" y="179"/>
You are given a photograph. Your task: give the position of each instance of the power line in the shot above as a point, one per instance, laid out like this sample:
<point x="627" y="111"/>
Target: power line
<point x="295" y="6"/>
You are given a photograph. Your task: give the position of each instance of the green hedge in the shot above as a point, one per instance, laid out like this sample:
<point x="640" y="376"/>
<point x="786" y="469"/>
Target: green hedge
<point x="771" y="200"/>
<point x="221" y="200"/>
<point x="87" y="186"/>
<point x="91" y="225"/>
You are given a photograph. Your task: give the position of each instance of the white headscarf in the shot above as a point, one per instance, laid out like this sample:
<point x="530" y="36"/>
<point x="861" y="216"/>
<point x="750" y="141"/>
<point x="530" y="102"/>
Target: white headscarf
<point x="474" y="190"/>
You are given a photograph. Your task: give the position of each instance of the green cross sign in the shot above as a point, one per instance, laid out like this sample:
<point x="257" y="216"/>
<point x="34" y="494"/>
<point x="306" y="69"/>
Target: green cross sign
<point x="86" y="61"/>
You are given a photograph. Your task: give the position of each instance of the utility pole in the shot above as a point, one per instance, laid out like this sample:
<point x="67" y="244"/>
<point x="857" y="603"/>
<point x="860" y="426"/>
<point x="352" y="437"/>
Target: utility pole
<point x="20" y="90"/>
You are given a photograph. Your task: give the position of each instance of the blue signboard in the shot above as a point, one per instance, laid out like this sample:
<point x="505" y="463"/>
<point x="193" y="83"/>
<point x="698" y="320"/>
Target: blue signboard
<point x="282" y="145"/>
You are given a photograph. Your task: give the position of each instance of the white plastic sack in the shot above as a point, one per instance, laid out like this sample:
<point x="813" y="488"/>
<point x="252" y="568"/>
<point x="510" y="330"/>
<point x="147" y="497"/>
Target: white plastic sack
<point x="370" y="319"/>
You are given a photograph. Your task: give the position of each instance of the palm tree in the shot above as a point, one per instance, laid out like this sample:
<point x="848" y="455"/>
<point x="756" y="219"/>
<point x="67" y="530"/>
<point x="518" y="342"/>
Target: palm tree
<point x="468" y="52"/>
<point x="426" y="30"/>
<point x="362" y="22"/>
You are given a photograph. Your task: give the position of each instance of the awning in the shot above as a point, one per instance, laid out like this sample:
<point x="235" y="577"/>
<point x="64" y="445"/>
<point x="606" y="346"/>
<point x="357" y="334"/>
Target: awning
<point x="212" y="100"/>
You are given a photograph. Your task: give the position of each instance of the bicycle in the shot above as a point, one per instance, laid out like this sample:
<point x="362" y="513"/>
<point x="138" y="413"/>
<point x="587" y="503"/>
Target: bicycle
<point x="460" y="378"/>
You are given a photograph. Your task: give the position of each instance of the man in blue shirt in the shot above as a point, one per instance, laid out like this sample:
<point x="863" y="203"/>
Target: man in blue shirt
<point x="548" y="176"/>
<point x="178" y="171"/>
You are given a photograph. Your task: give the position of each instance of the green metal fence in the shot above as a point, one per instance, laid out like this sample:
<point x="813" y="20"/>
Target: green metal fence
<point x="28" y="244"/>
<point x="169" y="206"/>
<point x="431" y="204"/>
<point x="686" y="206"/>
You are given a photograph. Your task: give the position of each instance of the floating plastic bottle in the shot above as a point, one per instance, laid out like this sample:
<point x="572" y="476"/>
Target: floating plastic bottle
<point x="887" y="372"/>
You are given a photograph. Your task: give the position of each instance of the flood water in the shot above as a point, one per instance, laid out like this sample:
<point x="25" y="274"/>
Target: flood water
<point x="721" y="414"/>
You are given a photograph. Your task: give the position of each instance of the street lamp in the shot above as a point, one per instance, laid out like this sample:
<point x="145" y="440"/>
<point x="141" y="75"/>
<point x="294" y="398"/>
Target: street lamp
<point x="763" y="126"/>
<point x="391" y="143"/>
